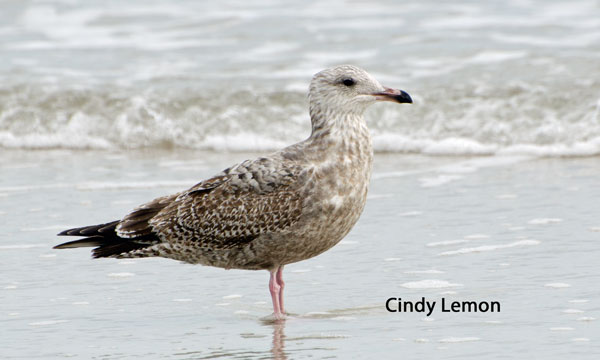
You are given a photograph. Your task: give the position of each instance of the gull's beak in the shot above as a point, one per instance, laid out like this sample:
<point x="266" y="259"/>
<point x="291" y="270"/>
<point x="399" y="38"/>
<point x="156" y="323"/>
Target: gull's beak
<point x="393" y="95"/>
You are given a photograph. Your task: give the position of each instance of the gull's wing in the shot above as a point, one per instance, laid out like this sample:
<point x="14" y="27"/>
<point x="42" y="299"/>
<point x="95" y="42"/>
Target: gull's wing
<point x="228" y="210"/>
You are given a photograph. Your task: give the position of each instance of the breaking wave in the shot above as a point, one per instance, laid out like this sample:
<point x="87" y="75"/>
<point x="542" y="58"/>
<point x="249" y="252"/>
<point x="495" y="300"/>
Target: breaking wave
<point x="473" y="119"/>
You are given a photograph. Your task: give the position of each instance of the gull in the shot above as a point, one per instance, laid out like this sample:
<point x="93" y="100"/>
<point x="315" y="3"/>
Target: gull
<point x="265" y="213"/>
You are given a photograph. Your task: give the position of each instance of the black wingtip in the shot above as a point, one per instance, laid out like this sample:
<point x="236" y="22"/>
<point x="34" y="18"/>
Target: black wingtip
<point x="64" y="233"/>
<point x="105" y="239"/>
<point x="89" y="242"/>
<point x="92" y="230"/>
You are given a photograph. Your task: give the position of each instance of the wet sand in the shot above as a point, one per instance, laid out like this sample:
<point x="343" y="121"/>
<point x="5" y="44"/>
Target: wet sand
<point x="521" y="231"/>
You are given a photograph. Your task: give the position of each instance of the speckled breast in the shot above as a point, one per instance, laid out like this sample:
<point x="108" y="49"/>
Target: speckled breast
<point x="335" y="196"/>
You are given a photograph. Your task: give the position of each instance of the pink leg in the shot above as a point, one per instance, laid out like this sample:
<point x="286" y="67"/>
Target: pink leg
<point x="281" y="284"/>
<point x="276" y="288"/>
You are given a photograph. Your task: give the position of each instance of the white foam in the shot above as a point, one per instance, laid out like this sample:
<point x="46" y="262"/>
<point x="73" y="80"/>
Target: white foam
<point x="232" y="296"/>
<point x="477" y="237"/>
<point x="488" y="113"/>
<point x="461" y="146"/>
<point x="557" y="285"/>
<point x="544" y="221"/>
<point x="449" y="292"/>
<point x="446" y="242"/>
<point x="121" y="275"/>
<point x="431" y="271"/>
<point x="506" y="160"/>
<point x="390" y="142"/>
<point x="429" y="284"/>
<point x="317" y="313"/>
<point x="586" y="318"/>
<point x="411" y="213"/>
<point x="581" y="339"/>
<point x="563" y="328"/>
<point x="243" y="141"/>
<point x="47" y="322"/>
<point x="572" y="311"/>
<point x="589" y="148"/>
<point x="486" y="57"/>
<point x="465" y="20"/>
<point x="490" y="247"/>
<point x="164" y="132"/>
<point x="52" y="141"/>
<point x="438" y="180"/>
<point x="453" y="339"/>
<point x="485" y="115"/>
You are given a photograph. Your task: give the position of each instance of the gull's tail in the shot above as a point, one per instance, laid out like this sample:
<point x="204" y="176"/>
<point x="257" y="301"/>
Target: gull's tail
<point x="106" y="240"/>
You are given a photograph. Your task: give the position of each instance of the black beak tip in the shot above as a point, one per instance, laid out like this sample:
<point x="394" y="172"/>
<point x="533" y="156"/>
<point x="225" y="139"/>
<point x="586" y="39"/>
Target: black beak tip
<point x="403" y="97"/>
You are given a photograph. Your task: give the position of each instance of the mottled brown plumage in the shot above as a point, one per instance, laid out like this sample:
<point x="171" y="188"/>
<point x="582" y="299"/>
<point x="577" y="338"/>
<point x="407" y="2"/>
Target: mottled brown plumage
<point x="271" y="211"/>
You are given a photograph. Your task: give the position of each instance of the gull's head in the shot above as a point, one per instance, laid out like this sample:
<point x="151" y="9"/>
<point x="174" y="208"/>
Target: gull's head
<point x="349" y="89"/>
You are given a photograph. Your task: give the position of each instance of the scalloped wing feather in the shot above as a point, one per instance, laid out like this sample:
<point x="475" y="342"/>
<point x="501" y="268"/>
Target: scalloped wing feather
<point x="227" y="210"/>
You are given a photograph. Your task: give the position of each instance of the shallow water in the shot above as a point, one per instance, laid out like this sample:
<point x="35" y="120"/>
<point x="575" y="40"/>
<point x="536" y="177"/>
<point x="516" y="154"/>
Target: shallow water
<point x="518" y="230"/>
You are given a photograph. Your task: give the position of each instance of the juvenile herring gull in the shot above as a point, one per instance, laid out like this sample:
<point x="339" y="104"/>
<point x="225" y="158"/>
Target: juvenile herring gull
<point x="269" y="212"/>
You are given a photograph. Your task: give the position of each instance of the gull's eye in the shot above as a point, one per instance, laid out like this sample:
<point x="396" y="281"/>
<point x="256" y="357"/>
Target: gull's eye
<point x="348" y="82"/>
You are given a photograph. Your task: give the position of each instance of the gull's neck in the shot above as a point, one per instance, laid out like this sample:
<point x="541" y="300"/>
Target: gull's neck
<point x="337" y="132"/>
<point x="327" y="121"/>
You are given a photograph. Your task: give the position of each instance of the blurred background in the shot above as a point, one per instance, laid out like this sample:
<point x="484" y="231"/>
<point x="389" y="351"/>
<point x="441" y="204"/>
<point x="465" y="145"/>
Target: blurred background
<point x="487" y="77"/>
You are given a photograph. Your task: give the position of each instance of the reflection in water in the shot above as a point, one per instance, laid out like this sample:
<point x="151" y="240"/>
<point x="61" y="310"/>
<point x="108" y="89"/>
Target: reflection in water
<point x="278" y="340"/>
